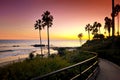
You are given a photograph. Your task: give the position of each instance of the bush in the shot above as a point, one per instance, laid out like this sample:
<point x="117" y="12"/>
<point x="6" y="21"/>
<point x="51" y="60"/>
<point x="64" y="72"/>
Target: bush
<point x="37" y="66"/>
<point x="61" y="51"/>
<point x="31" y="56"/>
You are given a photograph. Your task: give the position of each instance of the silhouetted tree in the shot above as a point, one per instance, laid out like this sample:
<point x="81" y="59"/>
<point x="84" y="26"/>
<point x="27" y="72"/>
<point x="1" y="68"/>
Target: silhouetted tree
<point x="116" y="13"/>
<point x="47" y="20"/>
<point x="88" y="28"/>
<point x="80" y="38"/>
<point x="116" y="10"/>
<point x="113" y="19"/>
<point x="38" y="25"/>
<point x="108" y="24"/>
<point x="95" y="28"/>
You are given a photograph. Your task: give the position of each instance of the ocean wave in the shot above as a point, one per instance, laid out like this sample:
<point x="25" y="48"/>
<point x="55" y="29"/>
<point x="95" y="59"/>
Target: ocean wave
<point x="6" y="50"/>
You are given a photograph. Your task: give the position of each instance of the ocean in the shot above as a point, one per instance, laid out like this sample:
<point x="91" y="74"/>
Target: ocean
<point x="22" y="47"/>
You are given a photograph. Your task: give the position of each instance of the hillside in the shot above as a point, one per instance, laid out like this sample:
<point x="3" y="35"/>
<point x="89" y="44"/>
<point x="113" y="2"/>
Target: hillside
<point x="108" y="48"/>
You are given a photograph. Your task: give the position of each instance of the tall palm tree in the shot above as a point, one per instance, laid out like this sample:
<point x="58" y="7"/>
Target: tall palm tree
<point x="113" y="19"/>
<point x="118" y="24"/>
<point x="88" y="28"/>
<point x="95" y="28"/>
<point x="116" y="13"/>
<point x="38" y="25"/>
<point x="47" y="20"/>
<point x="108" y="24"/>
<point x="80" y="38"/>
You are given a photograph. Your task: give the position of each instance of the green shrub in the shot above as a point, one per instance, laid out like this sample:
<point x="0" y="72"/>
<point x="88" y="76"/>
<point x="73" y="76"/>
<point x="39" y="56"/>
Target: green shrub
<point x="61" y="51"/>
<point x="31" y="55"/>
<point x="39" y="66"/>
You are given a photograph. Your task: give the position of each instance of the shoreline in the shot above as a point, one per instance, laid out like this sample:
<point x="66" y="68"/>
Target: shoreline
<point x="18" y="58"/>
<point x="12" y="59"/>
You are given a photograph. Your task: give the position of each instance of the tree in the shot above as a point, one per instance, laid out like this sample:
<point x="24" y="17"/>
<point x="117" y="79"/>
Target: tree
<point x="88" y="28"/>
<point x="113" y="19"/>
<point x="116" y="13"/>
<point x="80" y="38"/>
<point x="94" y="28"/>
<point x="108" y="24"/>
<point x="38" y="25"/>
<point x="47" y="20"/>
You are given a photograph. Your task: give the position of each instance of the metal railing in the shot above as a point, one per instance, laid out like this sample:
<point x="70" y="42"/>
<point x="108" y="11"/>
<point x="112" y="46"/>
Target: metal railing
<point x="92" y="69"/>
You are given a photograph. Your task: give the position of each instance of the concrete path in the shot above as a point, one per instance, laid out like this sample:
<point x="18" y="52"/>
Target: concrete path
<point x="108" y="71"/>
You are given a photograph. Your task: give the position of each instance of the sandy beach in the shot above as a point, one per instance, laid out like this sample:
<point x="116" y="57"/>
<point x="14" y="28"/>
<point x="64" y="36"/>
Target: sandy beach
<point x="17" y="58"/>
<point x="12" y="59"/>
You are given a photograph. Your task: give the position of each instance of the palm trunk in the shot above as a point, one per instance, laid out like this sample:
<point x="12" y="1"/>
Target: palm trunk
<point x="105" y="33"/>
<point x="113" y="19"/>
<point x="109" y="34"/>
<point x="40" y="41"/>
<point x="118" y="24"/>
<point x="99" y="31"/>
<point x="109" y="31"/>
<point x="89" y="34"/>
<point x="80" y="41"/>
<point x="48" y="41"/>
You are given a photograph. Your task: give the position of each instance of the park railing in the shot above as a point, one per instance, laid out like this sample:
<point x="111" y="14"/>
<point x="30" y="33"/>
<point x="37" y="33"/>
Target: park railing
<point x="85" y="70"/>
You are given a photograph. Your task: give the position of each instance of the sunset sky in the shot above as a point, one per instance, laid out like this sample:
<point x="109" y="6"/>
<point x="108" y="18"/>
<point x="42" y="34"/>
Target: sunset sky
<point x="17" y="17"/>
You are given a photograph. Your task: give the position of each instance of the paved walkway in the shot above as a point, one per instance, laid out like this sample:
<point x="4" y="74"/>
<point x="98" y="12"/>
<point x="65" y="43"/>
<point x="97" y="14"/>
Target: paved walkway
<point x="108" y="71"/>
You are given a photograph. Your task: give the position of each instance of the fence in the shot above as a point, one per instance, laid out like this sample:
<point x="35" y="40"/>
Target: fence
<point x="85" y="70"/>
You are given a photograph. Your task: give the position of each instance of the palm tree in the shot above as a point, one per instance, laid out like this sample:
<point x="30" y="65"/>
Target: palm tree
<point x="118" y="24"/>
<point x="47" y="20"/>
<point x="80" y="37"/>
<point x="116" y="13"/>
<point x="38" y="25"/>
<point x="88" y="28"/>
<point x="108" y="24"/>
<point x="94" y="28"/>
<point x="113" y="19"/>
